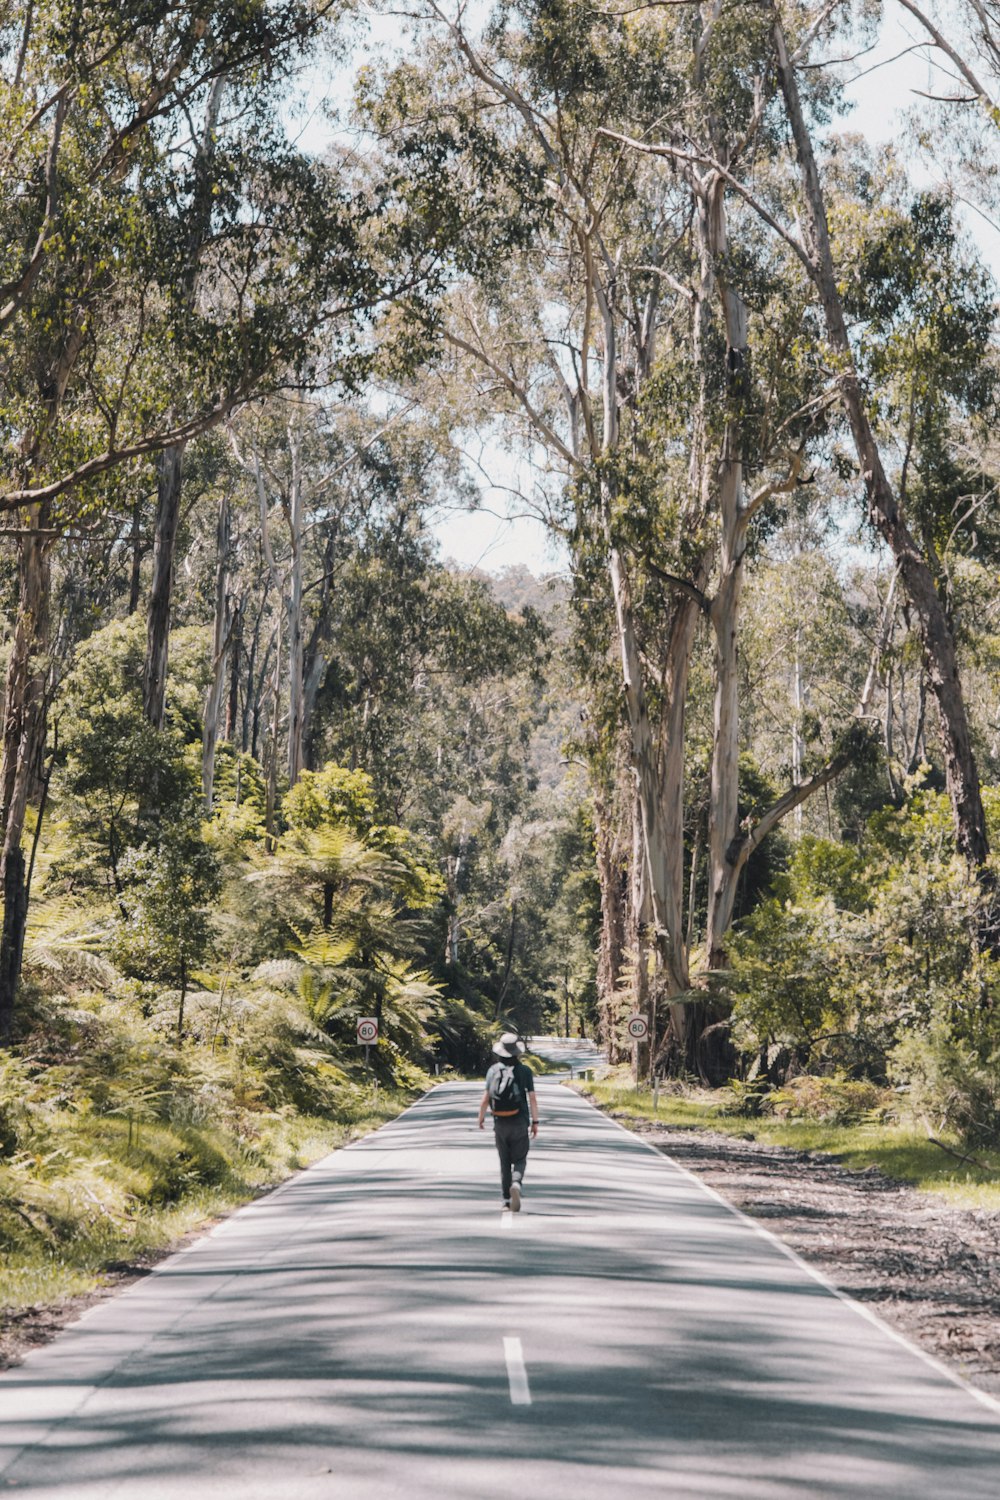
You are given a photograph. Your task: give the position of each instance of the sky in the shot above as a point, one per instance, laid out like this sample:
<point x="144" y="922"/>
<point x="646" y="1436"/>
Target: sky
<point x="487" y="541"/>
<point x="885" y="83"/>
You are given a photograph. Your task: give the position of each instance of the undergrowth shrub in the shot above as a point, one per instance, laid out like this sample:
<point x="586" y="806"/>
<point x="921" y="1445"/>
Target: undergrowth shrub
<point x="949" y="1086"/>
<point x="827" y="1101"/>
<point x="831" y="1101"/>
<point x="107" y="1124"/>
<point x="865" y="965"/>
<point x="18" y="1120"/>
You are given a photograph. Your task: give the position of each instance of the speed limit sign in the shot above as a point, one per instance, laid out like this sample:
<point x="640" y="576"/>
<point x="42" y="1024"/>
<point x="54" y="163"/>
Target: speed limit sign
<point x="367" y="1030"/>
<point x="638" y="1028"/>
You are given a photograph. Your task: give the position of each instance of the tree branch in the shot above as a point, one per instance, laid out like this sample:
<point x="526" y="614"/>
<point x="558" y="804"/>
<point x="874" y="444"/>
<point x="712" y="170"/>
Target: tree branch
<point x="155" y="443"/>
<point x="18" y="291"/>
<point x="741" y="848"/>
<point x="681" y="586"/>
<point x="697" y="158"/>
<point x="786" y="486"/>
<point x="948" y="51"/>
<point x="519" y="394"/>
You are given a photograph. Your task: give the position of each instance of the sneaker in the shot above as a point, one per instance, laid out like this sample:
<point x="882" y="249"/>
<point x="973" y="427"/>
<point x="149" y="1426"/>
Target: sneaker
<point x="506" y="1203"/>
<point x="515" y="1198"/>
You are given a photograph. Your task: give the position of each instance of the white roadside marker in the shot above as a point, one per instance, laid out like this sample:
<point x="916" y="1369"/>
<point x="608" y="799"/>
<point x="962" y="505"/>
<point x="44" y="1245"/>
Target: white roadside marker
<point x="517" y="1375"/>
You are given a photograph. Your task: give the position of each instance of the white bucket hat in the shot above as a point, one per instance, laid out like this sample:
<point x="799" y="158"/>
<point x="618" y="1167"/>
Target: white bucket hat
<point x="508" y="1046"/>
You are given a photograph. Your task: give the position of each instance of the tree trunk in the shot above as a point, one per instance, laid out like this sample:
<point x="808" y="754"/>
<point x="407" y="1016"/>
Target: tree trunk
<point x="659" y="773"/>
<point x="310" y="691"/>
<point x="313" y="660"/>
<point x="170" y="464"/>
<point x="180" y="1004"/>
<point x="453" y="869"/>
<point x="220" y="652"/>
<point x="169" y="472"/>
<point x="135" y="546"/>
<point x="640" y="914"/>
<point x="798" y="703"/>
<point x="659" y="787"/>
<point x="296" y="697"/>
<point x="508" y="961"/>
<point x="251" y="696"/>
<point x="15" y="921"/>
<point x="271" y="807"/>
<point x="723" y="819"/>
<point x="23" y="744"/>
<point x="610" y="957"/>
<point x="935" y="629"/>
<point x="236" y="646"/>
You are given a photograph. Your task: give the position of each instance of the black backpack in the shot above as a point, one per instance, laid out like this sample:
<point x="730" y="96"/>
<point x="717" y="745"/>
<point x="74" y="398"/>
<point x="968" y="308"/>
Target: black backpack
<point x="506" y="1093"/>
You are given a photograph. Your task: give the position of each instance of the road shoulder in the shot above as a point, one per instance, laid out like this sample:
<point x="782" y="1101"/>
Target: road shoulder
<point x="929" y="1270"/>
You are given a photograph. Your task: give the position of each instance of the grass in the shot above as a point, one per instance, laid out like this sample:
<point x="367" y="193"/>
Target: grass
<point x="540" y="1066"/>
<point x="105" y="1195"/>
<point x="899" y="1150"/>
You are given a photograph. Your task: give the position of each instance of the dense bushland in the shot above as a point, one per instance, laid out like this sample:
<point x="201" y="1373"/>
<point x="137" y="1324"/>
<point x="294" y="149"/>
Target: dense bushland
<point x="269" y="764"/>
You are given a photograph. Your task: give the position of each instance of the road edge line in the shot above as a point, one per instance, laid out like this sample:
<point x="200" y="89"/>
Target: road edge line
<point x="991" y="1403"/>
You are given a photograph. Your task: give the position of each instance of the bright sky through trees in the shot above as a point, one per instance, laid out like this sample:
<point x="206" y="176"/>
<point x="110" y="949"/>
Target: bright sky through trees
<point x="885" y="80"/>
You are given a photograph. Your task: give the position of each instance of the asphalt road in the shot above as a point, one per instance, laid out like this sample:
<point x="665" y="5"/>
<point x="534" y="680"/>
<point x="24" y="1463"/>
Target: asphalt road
<point x="574" y="1053"/>
<point x="377" y="1328"/>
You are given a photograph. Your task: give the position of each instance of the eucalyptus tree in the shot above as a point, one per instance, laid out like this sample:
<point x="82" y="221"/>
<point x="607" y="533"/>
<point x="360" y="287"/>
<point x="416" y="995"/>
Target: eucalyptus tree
<point x="123" y="333"/>
<point x="564" y="338"/>
<point x="617" y="345"/>
<point x="330" y="494"/>
<point x="886" y="507"/>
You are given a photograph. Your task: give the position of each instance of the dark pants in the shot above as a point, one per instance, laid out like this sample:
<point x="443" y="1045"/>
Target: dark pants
<point x="511" y="1133"/>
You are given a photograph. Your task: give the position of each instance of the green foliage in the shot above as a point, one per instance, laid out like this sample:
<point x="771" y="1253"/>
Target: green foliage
<point x="333" y="795"/>
<point x="900" y="1151"/>
<point x="821" y="867"/>
<point x="113" y="1141"/>
<point x="166" y="931"/>
<point x="239" y="801"/>
<point x="463" y="1036"/>
<point x="114" y="757"/>
<point x="18" y="1121"/>
<point x="827" y="1100"/>
<point x="951" y="1087"/>
<point x="869" y="959"/>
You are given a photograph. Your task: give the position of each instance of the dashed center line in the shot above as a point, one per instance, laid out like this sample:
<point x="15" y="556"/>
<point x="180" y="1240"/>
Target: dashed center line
<point x="517" y="1375"/>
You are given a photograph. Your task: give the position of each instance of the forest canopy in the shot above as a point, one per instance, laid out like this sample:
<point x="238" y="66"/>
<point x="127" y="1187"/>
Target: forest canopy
<point x="271" y="763"/>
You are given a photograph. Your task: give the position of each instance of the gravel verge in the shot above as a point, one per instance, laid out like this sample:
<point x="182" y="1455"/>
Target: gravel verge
<point x="930" y="1270"/>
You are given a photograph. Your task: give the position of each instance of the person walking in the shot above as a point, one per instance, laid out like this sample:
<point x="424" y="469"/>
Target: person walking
<point x="510" y="1097"/>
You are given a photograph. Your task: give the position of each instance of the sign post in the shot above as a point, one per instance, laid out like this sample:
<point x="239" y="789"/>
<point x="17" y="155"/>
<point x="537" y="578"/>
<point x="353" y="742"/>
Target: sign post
<point x="367" y="1034"/>
<point x="638" y="1030"/>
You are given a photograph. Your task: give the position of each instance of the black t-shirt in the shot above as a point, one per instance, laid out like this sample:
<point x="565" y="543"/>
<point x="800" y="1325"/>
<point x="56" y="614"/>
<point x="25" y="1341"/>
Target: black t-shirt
<point x="525" y="1078"/>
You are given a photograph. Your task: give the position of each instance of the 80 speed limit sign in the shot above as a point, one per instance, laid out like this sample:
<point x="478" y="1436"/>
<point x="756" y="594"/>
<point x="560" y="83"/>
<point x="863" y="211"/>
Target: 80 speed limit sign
<point x="367" y="1030"/>
<point x="638" y="1028"/>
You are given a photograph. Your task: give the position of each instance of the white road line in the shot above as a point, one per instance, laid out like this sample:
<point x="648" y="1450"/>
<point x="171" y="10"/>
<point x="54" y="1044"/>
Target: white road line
<point x="517" y="1375"/>
<point x="506" y="1219"/>
<point x="990" y="1402"/>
